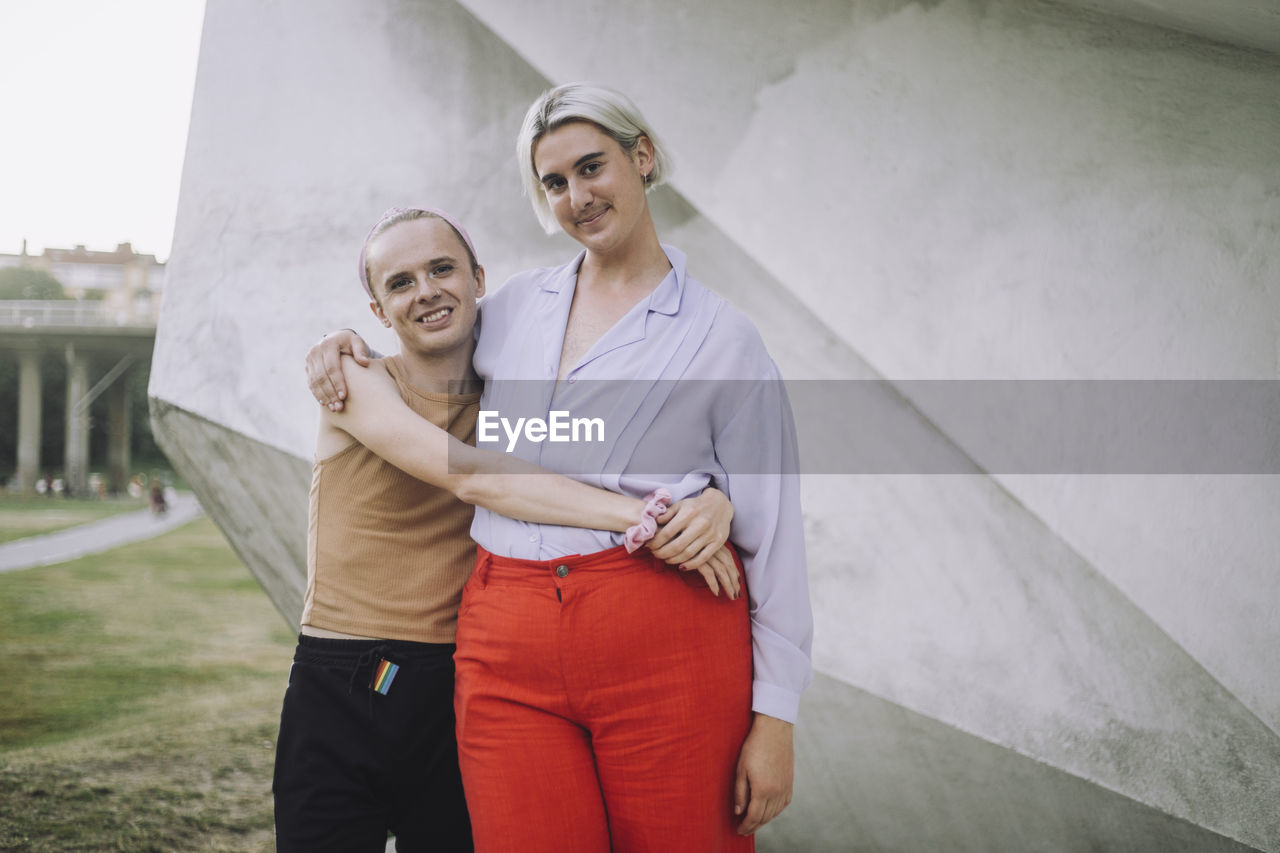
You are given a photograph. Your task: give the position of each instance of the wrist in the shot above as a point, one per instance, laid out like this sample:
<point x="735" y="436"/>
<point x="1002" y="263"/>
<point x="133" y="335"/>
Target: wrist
<point x="629" y="509"/>
<point x="643" y="530"/>
<point x="769" y="724"/>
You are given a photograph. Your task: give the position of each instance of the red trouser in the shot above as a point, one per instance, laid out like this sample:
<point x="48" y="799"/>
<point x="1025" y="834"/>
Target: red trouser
<point x="602" y="700"/>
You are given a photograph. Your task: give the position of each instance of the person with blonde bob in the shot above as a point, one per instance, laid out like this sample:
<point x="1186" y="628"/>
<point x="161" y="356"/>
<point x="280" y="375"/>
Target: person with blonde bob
<point x="603" y="702"/>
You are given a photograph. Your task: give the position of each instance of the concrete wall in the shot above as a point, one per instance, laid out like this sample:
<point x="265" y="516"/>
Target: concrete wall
<point x="941" y="190"/>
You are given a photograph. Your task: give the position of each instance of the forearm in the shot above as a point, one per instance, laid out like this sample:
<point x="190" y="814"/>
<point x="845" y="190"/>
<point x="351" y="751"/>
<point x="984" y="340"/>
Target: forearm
<point x="497" y="481"/>
<point x="517" y="489"/>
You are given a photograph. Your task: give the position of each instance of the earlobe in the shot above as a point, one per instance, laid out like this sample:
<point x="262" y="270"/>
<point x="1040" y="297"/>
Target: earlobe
<point x="644" y="155"/>
<point x="479" y="282"/>
<point x="377" y="312"/>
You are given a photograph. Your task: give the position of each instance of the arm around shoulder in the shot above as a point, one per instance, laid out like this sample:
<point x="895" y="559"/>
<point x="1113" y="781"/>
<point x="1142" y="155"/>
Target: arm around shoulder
<point x="378" y="418"/>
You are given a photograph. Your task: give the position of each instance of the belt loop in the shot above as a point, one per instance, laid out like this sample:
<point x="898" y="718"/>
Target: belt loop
<point x="481" y="571"/>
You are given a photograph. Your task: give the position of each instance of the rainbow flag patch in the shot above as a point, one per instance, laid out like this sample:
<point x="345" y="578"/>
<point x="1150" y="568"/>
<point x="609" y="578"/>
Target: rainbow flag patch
<point x="383" y="675"/>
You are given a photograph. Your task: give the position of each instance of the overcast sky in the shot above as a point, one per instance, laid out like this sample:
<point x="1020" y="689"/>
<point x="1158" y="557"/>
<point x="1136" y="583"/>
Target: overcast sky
<point x="96" y="97"/>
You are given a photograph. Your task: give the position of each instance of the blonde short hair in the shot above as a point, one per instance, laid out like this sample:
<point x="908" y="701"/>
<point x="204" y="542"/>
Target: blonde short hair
<point x="609" y="110"/>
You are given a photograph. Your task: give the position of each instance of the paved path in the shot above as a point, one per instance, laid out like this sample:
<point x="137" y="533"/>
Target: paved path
<point x="96" y="536"/>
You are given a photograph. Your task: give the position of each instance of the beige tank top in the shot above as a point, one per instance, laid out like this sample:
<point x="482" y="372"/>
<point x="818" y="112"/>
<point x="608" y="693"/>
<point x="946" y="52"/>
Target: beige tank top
<point x="388" y="555"/>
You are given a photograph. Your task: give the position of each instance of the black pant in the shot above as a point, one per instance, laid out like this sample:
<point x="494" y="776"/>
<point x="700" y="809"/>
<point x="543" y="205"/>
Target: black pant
<point x="352" y="763"/>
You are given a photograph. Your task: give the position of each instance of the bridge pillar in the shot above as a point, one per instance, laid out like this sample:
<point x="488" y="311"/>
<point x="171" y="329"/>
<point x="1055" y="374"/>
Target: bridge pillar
<point x="28" y="420"/>
<point x="119" y="429"/>
<point x="76" y="459"/>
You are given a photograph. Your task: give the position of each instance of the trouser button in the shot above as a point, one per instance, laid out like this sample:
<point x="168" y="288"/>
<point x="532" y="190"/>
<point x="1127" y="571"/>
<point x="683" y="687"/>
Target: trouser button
<point x="562" y="571"/>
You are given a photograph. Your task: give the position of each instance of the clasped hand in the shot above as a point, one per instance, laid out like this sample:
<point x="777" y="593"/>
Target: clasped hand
<point x="692" y="538"/>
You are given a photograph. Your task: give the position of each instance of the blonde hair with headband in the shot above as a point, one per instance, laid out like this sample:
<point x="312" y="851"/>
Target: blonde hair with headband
<point x="396" y="215"/>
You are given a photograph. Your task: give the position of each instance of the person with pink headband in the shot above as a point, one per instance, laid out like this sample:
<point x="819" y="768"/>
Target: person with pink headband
<point x="399" y="214"/>
<point x="366" y="741"/>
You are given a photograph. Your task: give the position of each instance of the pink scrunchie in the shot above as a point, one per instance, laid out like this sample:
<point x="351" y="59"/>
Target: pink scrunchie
<point x="655" y="505"/>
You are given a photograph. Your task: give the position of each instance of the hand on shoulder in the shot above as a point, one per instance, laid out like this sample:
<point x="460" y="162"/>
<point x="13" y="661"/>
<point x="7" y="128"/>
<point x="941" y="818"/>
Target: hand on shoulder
<point x="324" y="366"/>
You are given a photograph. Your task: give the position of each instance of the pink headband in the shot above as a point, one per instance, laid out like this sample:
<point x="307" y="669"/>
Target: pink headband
<point x="396" y="211"/>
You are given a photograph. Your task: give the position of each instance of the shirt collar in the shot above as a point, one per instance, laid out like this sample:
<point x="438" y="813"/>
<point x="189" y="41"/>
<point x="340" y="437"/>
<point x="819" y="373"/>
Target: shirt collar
<point x="665" y="299"/>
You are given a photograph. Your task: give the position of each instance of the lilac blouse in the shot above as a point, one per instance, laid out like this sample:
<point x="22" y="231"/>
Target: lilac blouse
<point x="686" y="396"/>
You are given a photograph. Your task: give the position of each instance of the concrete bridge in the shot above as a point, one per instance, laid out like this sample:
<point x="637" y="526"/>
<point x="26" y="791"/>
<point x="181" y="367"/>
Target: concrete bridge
<point x="99" y="345"/>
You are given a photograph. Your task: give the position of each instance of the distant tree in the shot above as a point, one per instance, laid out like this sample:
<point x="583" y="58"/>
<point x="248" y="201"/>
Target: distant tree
<point x="26" y="283"/>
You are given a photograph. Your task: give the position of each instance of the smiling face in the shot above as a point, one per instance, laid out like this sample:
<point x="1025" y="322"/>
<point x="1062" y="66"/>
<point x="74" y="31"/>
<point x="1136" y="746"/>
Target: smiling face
<point x="595" y="189"/>
<point x="423" y="286"/>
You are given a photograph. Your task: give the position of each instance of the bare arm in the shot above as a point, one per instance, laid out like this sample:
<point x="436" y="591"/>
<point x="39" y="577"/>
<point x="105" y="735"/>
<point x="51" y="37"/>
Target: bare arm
<point x="378" y="418"/>
<point x="694" y="530"/>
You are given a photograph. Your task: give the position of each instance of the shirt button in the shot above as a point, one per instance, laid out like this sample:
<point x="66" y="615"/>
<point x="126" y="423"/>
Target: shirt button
<point x="533" y="538"/>
<point x="572" y="379"/>
<point x="562" y="571"/>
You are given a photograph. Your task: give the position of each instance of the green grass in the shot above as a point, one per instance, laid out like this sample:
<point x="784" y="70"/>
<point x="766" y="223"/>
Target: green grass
<point x="26" y="516"/>
<point x="141" y="697"/>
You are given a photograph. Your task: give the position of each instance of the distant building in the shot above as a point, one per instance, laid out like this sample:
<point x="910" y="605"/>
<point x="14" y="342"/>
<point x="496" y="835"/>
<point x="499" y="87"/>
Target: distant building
<point x="128" y="283"/>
